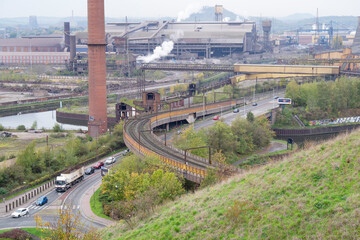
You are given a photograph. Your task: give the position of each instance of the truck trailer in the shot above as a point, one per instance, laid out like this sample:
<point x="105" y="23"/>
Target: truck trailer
<point x="67" y="180"/>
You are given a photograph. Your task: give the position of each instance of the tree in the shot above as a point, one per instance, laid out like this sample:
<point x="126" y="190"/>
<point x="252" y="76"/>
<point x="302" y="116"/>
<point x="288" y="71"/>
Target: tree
<point x="67" y="227"/>
<point x="220" y="137"/>
<point x="250" y="117"/>
<point x="34" y="125"/>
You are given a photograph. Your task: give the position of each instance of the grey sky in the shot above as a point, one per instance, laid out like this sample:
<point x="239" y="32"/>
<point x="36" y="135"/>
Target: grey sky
<point x="157" y="8"/>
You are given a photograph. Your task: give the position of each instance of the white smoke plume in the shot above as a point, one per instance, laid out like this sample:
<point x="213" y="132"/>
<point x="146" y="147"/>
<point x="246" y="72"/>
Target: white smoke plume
<point x="190" y="9"/>
<point x="160" y="51"/>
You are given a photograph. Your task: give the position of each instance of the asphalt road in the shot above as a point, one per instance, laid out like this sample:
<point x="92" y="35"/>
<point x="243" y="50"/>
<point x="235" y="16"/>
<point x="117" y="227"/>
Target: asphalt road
<point x="262" y="107"/>
<point x="56" y="200"/>
<point x="71" y="198"/>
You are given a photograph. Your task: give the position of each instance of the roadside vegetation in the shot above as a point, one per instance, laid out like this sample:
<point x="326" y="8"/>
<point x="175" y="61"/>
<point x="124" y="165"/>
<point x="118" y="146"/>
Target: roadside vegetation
<point x="33" y="165"/>
<point x="321" y="100"/>
<point x="311" y="194"/>
<point x="135" y="186"/>
<point x="242" y="137"/>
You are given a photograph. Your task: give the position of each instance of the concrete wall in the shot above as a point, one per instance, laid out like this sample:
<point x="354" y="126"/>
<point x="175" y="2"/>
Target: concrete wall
<point x="8" y="206"/>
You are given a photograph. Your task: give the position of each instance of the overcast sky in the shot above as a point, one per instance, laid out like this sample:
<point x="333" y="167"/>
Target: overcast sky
<point x="158" y="8"/>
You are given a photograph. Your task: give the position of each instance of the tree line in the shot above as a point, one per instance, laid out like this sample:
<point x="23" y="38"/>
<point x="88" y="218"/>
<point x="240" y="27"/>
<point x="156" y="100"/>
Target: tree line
<point x="330" y="97"/>
<point x="34" y="165"/>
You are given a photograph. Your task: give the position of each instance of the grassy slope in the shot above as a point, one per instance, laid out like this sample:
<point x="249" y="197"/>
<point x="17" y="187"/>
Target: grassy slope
<point x="312" y="195"/>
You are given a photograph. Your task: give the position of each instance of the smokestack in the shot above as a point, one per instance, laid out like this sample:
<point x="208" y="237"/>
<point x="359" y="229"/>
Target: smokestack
<point x="266" y="25"/>
<point x="67" y="35"/>
<point x="72" y="47"/>
<point x="97" y="124"/>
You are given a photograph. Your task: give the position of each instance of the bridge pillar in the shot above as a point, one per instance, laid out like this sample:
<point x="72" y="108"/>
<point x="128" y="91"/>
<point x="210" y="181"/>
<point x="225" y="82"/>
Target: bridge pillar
<point x="168" y="127"/>
<point x="191" y="118"/>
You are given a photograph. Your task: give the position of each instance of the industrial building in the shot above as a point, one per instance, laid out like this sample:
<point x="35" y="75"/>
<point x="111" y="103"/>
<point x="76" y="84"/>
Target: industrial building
<point x="191" y="39"/>
<point x="34" y="50"/>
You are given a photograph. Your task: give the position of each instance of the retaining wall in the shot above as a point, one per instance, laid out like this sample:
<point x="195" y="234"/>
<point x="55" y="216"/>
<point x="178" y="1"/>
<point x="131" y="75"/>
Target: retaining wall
<point x="7" y="206"/>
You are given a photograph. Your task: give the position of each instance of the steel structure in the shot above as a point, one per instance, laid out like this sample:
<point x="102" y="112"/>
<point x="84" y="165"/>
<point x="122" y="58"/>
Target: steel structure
<point x="188" y="67"/>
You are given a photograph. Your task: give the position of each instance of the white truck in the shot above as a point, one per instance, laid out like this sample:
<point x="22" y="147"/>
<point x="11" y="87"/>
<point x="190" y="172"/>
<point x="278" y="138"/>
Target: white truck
<point x="69" y="178"/>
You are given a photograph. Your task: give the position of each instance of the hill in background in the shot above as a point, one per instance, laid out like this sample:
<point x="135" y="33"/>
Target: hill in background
<point x="314" y="194"/>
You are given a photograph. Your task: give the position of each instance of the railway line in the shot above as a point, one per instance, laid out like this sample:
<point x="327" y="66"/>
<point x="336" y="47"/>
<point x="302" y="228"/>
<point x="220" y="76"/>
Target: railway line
<point x="140" y="139"/>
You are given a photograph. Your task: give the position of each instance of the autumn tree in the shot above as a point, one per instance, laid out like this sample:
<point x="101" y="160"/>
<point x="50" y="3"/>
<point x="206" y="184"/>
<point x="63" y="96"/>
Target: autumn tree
<point x="67" y="226"/>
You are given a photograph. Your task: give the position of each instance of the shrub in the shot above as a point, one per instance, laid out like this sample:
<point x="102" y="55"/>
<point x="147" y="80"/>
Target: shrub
<point x="57" y="128"/>
<point x="21" y="128"/>
<point x="34" y="125"/>
<point x="2" y="158"/>
<point x="3" y="191"/>
<point x="17" y="234"/>
<point x="1" y="127"/>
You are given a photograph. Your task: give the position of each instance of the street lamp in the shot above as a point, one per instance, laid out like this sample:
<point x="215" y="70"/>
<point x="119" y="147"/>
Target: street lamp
<point x="112" y="202"/>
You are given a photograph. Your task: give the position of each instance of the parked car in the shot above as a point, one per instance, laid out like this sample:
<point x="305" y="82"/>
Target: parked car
<point x="20" y="212"/>
<point x="41" y="201"/>
<point x="254" y="104"/>
<point x="98" y="165"/>
<point x="89" y="170"/>
<point x="110" y="160"/>
<point x="236" y="110"/>
<point x="276" y="97"/>
<point x="216" y="117"/>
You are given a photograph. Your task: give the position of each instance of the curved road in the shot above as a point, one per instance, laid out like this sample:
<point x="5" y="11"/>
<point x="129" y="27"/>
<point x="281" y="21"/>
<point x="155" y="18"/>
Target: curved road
<point x="73" y="196"/>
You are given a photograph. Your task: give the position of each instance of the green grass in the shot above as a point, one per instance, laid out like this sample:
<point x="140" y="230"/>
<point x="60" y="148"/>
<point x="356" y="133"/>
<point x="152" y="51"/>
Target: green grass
<point x="96" y="205"/>
<point x="313" y="194"/>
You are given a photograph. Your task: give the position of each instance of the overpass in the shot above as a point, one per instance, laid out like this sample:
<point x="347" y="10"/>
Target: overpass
<point x="251" y="71"/>
<point x="139" y="137"/>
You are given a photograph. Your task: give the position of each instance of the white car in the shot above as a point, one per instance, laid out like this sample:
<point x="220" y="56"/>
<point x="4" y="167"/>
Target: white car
<point x="110" y="160"/>
<point x="20" y="212"/>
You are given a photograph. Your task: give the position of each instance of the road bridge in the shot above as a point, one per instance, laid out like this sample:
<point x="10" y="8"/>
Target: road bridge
<point x="251" y="71"/>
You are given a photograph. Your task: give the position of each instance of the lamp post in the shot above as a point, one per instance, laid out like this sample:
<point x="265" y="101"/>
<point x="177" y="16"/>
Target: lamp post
<point x="112" y="201"/>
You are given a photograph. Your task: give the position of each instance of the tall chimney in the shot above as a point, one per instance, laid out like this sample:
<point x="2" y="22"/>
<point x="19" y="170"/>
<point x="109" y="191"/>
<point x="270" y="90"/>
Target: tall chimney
<point x="67" y="35"/>
<point x="97" y="68"/>
<point x="72" y="47"/>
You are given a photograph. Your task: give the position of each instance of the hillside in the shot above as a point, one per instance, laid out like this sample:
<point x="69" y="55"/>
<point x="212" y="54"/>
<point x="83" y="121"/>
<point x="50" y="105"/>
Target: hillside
<point x="313" y="194"/>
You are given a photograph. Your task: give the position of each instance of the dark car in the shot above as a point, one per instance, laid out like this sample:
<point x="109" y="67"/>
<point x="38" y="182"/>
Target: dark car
<point x="89" y="171"/>
<point x="41" y="201"/>
<point x="236" y="110"/>
<point x="254" y="104"/>
<point x="98" y="165"/>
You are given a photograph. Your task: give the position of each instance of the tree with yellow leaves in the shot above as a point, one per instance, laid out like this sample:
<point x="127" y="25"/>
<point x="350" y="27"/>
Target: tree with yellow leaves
<point x="67" y="226"/>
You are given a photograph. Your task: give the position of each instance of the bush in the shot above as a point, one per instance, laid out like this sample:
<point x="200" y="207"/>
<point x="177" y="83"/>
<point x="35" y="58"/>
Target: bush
<point x="3" y="191"/>
<point x="2" y="158"/>
<point x="17" y="234"/>
<point x="57" y="135"/>
<point x="1" y="127"/>
<point x="21" y="128"/>
<point x="34" y="125"/>
<point x="57" y="128"/>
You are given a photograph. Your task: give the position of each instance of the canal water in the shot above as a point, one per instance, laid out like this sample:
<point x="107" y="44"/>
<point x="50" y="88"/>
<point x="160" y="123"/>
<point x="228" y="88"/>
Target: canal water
<point x="45" y="120"/>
